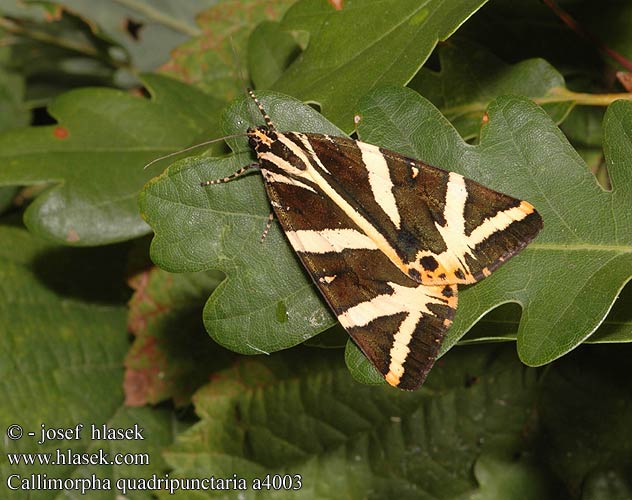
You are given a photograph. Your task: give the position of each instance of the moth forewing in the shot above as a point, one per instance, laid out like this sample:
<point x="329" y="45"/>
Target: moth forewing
<point x="386" y="238"/>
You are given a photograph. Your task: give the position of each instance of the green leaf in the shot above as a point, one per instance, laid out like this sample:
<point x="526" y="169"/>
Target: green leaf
<point x="582" y="248"/>
<point x="172" y="355"/>
<point x="583" y="127"/>
<point x="158" y="426"/>
<point x="54" y="50"/>
<point x="270" y="52"/>
<point x="64" y="340"/>
<point x="567" y="280"/>
<point x="162" y="26"/>
<point x="584" y="131"/>
<point x="366" y="44"/>
<point x="471" y="77"/>
<point x="7" y="194"/>
<point x="94" y="157"/>
<point x="27" y="10"/>
<point x="61" y="360"/>
<point x="360" y="366"/>
<point x="585" y="414"/>
<point x="501" y="323"/>
<point x="13" y="112"/>
<point x="266" y="302"/>
<point x="618" y="325"/>
<point x="225" y="28"/>
<point x="300" y="413"/>
<point x="514" y="478"/>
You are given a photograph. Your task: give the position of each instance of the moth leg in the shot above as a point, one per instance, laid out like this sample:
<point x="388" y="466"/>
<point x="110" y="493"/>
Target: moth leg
<point x="268" y="225"/>
<point x="232" y="176"/>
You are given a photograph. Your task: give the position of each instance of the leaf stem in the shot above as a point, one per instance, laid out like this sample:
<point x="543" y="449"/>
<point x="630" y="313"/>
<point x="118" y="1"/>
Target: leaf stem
<point x="557" y="94"/>
<point x="560" y="94"/>
<point x="588" y="35"/>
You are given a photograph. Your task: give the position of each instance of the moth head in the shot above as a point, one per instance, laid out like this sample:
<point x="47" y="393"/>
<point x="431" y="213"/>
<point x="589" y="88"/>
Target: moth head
<point x="260" y="136"/>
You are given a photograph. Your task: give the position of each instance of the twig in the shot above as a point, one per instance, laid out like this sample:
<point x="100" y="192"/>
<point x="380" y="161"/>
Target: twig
<point x="568" y="20"/>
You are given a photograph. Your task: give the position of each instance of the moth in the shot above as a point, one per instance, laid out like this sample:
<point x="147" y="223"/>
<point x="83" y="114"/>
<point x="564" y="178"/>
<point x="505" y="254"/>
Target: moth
<point x="386" y="238"/>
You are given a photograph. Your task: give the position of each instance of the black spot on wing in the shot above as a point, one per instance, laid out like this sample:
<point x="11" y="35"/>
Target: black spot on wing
<point x="429" y="263"/>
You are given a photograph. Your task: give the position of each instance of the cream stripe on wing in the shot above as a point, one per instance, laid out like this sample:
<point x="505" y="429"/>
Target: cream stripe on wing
<point x="399" y="350"/>
<point x="296" y="149"/>
<point x="380" y="181"/>
<point x="369" y="229"/>
<point x="403" y="299"/>
<point x="312" y="173"/>
<point x="276" y="177"/>
<point x="329" y="240"/>
<point x="284" y="165"/>
<point x="498" y="222"/>
<point x="453" y="233"/>
<point x="305" y="141"/>
<point x="413" y="301"/>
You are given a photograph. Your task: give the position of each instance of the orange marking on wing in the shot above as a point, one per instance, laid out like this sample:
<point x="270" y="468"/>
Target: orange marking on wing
<point x="392" y="379"/>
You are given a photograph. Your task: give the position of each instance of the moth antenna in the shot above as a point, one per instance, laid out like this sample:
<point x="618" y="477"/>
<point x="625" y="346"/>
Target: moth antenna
<point x="268" y="226"/>
<point x="230" y="177"/>
<point x="265" y="115"/>
<point x="195" y="146"/>
<point x="240" y="73"/>
<point x="238" y="66"/>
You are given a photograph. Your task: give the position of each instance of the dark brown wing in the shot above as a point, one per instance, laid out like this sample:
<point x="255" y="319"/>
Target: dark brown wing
<point x="444" y="228"/>
<point x="396" y="322"/>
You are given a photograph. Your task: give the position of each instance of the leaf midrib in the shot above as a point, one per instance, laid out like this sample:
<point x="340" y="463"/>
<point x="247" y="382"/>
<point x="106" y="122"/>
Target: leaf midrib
<point x="622" y="249"/>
